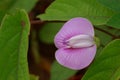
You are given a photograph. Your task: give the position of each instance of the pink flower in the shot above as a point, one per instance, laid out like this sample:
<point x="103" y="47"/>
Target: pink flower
<point x="75" y="43"/>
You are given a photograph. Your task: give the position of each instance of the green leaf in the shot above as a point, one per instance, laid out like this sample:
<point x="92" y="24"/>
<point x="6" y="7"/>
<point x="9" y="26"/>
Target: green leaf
<point x="111" y="4"/>
<point x="11" y="5"/>
<point x="33" y="77"/>
<point x="60" y="73"/>
<point x="111" y="30"/>
<point x="65" y="9"/>
<point x="114" y="21"/>
<point x="104" y="38"/>
<point x="14" y="32"/>
<point x="48" y="32"/>
<point x="107" y="65"/>
<point x="106" y="34"/>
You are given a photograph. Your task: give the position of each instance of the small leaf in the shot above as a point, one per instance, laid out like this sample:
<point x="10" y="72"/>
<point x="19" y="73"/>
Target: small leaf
<point x="114" y="21"/>
<point x="61" y="73"/>
<point x="107" y="65"/>
<point x="35" y="47"/>
<point x="14" y="32"/>
<point x="65" y="9"/>
<point x="111" y="4"/>
<point x="48" y="32"/>
<point x="33" y="77"/>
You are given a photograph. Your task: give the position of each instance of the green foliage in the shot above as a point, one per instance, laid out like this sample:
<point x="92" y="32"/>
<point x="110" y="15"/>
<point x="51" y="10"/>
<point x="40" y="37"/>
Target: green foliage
<point x="111" y="4"/>
<point x="104" y="38"/>
<point x="11" y="5"/>
<point x="107" y="65"/>
<point x="48" y="32"/>
<point x="114" y="21"/>
<point x="106" y="34"/>
<point x="14" y="33"/>
<point x="61" y="73"/>
<point x="66" y="9"/>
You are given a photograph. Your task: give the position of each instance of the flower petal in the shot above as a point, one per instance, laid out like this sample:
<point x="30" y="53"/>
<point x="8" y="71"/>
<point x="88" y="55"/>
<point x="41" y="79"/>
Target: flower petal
<point x="75" y="26"/>
<point x="76" y="59"/>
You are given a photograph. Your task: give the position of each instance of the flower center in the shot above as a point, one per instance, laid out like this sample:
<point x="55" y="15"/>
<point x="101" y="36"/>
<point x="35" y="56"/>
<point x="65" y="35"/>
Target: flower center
<point x="80" y="41"/>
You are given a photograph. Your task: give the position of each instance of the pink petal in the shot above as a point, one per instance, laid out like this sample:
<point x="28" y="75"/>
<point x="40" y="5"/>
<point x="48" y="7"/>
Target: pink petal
<point x="75" y="26"/>
<point x="76" y="59"/>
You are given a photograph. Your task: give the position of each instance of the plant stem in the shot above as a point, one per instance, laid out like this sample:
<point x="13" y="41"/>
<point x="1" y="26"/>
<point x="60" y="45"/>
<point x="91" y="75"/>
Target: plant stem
<point x="36" y="22"/>
<point x="105" y="32"/>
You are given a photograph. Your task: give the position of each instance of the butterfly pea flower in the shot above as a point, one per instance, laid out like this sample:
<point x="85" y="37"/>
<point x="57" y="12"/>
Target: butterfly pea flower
<point x="75" y="43"/>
